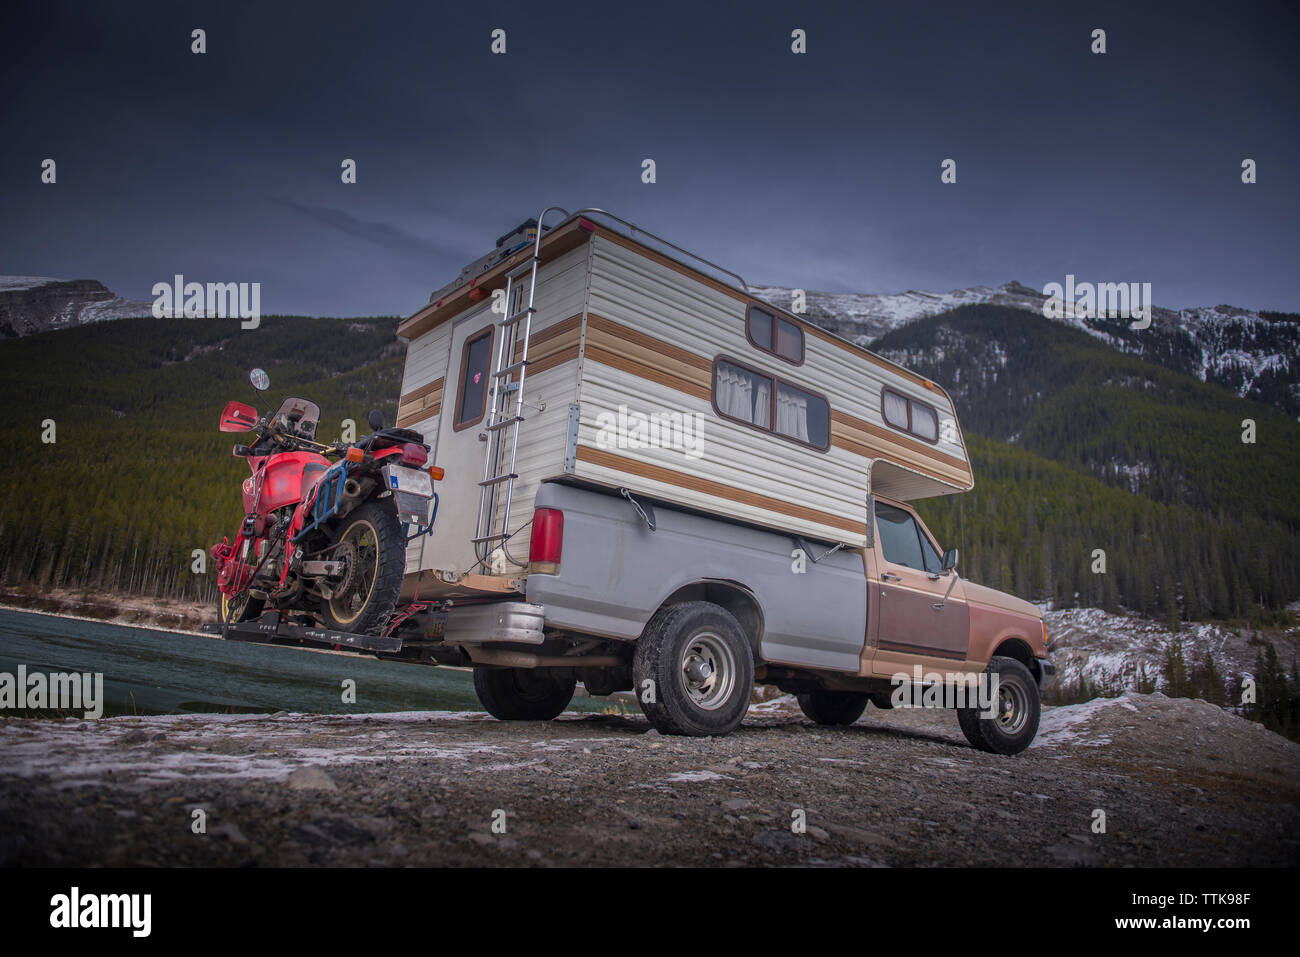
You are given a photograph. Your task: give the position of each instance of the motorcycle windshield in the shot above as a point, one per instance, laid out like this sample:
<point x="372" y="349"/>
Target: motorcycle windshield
<point x="299" y="416"/>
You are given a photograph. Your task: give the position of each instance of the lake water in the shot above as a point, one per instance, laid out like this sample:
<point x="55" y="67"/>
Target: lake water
<point x="159" y="672"/>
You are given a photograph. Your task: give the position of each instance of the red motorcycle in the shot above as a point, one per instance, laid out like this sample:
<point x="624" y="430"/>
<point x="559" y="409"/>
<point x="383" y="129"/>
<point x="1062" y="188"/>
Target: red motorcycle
<point x="325" y="526"/>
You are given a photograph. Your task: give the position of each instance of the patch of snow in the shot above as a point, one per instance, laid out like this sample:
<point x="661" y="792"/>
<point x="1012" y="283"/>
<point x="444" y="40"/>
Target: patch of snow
<point x="776" y="705"/>
<point x="25" y="282"/>
<point x="696" y="776"/>
<point x="1067" y="725"/>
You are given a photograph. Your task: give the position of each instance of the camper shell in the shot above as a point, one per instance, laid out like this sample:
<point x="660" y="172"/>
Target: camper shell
<point x="652" y="479"/>
<point x="654" y="374"/>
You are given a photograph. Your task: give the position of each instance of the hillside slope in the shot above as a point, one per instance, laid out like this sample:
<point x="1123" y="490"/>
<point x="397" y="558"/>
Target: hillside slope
<point x="139" y="476"/>
<point x="1193" y="521"/>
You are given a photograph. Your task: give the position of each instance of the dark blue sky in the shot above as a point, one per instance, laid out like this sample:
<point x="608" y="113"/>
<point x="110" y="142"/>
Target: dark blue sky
<point x="820" y="171"/>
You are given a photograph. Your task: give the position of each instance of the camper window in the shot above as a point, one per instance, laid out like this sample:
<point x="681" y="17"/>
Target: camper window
<point x="802" y="415"/>
<point x="925" y="422"/>
<point x="473" y="389"/>
<point x="895" y="408"/>
<point x="771" y="333"/>
<point x="770" y="404"/>
<point x="909" y="415"/>
<point x="742" y="395"/>
<point x="760" y="328"/>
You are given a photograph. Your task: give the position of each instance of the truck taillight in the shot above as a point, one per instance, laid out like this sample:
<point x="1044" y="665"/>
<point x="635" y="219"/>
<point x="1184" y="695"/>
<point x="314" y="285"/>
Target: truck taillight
<point x="547" y="541"/>
<point x="413" y="454"/>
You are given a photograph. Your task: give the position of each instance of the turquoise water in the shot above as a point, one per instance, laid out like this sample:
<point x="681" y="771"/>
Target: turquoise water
<point x="158" y="672"/>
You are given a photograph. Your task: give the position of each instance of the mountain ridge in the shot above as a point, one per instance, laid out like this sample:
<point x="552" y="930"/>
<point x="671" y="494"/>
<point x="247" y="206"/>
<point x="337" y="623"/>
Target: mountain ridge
<point x="32" y="304"/>
<point x="1253" y="353"/>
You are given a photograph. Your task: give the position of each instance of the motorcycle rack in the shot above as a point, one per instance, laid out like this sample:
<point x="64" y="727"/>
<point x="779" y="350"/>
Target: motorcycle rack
<point x="269" y="629"/>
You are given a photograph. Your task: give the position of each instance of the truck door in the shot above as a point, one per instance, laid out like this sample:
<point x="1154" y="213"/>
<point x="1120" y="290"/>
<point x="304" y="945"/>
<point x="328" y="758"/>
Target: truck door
<point x="912" y="615"/>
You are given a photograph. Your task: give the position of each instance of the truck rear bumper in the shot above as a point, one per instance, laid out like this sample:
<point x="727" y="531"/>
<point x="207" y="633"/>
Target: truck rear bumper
<point x="517" y="622"/>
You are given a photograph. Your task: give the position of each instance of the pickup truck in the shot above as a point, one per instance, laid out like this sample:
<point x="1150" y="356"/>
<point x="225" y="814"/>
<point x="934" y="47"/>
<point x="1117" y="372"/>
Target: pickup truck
<point x="690" y="611"/>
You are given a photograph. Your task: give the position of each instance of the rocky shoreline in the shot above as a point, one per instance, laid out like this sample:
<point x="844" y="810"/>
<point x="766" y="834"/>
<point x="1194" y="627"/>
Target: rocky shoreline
<point x="136" y="611"/>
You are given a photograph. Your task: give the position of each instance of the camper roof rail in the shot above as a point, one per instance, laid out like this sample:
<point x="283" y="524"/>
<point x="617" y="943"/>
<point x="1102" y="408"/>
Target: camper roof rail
<point x="595" y="211"/>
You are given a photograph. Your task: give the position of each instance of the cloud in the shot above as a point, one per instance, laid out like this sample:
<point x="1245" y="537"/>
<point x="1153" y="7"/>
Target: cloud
<point x="386" y="235"/>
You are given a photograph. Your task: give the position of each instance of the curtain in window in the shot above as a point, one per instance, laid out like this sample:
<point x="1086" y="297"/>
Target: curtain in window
<point x="743" y="396"/>
<point x="792" y="414"/>
<point x="895" y="410"/>
<point x="924" y="422"/>
<point x="762" y="414"/>
<point x="734" y="394"/>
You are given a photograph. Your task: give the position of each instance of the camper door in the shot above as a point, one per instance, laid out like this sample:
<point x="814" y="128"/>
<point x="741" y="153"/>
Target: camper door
<point x="467" y="403"/>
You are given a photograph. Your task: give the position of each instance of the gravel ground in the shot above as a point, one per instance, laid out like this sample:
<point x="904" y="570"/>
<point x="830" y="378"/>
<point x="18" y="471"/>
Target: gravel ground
<point x="1181" y="783"/>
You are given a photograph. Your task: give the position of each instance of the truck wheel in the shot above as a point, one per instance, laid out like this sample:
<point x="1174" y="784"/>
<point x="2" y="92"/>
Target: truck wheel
<point x="522" y="694"/>
<point x="1016" y="707"/>
<point x="833" y="707"/>
<point x="693" y="670"/>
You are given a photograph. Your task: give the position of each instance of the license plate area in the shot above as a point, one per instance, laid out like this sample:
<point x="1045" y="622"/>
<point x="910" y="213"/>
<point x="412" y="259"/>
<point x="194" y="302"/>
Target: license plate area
<point x="412" y="481"/>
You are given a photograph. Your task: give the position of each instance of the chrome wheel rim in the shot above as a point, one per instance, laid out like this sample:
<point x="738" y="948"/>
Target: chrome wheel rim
<point x="708" y="670"/>
<point x="1013" y="708"/>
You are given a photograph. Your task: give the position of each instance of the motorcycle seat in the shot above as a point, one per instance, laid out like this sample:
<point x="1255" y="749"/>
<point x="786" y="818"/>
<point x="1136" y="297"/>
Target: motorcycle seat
<point x="386" y="437"/>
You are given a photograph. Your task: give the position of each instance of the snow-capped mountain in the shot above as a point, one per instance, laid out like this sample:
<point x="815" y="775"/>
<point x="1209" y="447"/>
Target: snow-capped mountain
<point x="1113" y="652"/>
<point x="31" y="304"/>
<point x="868" y="316"/>
<point x="1256" y="355"/>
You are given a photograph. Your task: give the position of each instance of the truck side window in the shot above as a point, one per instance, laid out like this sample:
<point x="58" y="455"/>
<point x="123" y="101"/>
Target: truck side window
<point x="933" y="562"/>
<point x="900" y="540"/>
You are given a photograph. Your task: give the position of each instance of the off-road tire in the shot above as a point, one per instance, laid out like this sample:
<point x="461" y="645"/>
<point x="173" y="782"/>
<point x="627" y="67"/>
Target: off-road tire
<point x="372" y="616"/>
<point x="1000" y="735"/>
<point x="683" y="639"/>
<point x="251" y="609"/>
<point x="523" y="694"/>
<point x="833" y="707"/>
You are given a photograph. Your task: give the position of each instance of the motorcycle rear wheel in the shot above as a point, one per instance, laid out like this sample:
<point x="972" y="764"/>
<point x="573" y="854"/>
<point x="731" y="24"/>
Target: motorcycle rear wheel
<point x="370" y="539"/>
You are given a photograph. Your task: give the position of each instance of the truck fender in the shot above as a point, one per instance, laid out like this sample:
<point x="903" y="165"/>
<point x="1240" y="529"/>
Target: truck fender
<point x="731" y="595"/>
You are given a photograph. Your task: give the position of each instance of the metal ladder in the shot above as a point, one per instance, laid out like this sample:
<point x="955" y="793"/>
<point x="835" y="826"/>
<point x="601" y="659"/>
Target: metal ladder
<point x="503" y="421"/>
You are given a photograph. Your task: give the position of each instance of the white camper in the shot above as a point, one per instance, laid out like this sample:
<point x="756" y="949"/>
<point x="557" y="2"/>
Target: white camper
<point x="599" y="355"/>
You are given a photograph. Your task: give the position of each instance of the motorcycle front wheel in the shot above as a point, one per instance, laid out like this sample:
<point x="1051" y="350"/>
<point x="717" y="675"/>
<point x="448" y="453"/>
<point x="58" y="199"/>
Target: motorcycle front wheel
<point x="243" y="608"/>
<point x="370" y="543"/>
